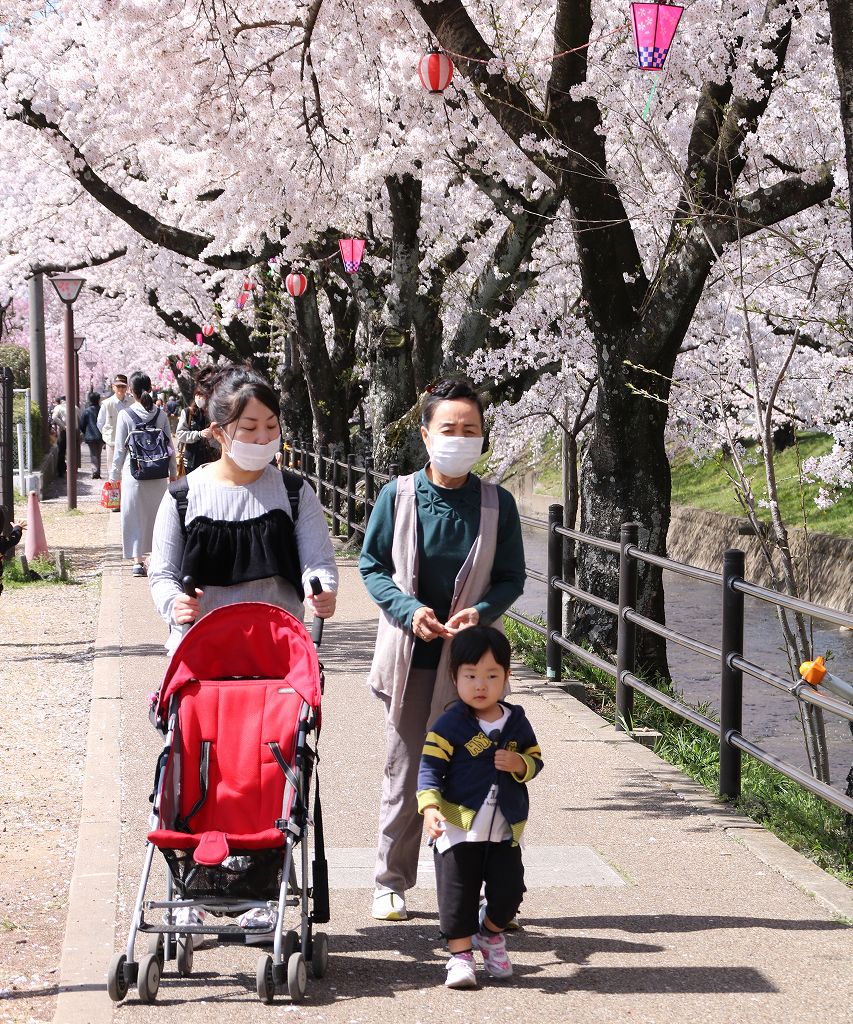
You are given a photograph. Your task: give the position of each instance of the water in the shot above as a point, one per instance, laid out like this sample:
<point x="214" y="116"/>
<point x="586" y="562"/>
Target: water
<point x="770" y="717"/>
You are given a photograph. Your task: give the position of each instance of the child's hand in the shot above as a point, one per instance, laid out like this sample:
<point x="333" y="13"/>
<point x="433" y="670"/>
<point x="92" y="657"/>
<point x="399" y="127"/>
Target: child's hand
<point x="510" y="761"/>
<point x="434" y="822"/>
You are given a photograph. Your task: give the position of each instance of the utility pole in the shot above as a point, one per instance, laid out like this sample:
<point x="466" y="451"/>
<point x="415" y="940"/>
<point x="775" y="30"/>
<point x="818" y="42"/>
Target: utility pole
<point x="38" y="362"/>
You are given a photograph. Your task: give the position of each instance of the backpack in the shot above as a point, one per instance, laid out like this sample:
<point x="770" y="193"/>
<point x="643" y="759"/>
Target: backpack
<point x="149" y="449"/>
<point x="179" y="489"/>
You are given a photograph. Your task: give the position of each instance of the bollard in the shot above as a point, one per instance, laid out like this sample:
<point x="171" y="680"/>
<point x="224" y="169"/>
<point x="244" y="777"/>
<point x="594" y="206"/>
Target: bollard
<point x="731" y="679"/>
<point x="350" y="495"/>
<point x="626" y="635"/>
<point x="554" y="609"/>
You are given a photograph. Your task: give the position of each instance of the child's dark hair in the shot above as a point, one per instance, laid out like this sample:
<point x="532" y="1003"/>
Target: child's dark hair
<point x="140" y="385"/>
<point x="229" y="389"/>
<point x="468" y="646"/>
<point x="447" y="390"/>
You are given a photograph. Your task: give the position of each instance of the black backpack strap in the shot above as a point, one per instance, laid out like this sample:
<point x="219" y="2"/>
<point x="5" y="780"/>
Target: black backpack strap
<point x="180" y="491"/>
<point x="293" y="485"/>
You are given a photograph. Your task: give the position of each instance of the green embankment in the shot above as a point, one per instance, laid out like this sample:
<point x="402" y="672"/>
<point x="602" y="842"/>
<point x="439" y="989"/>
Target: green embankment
<point x="706" y="485"/>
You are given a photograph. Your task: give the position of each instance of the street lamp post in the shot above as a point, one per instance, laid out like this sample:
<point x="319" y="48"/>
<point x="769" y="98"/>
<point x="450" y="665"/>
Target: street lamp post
<point x="79" y="341"/>
<point x="68" y="288"/>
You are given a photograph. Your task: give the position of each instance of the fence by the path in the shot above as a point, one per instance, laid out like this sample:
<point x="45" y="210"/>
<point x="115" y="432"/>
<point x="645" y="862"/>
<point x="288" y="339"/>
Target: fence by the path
<point x="347" y="489"/>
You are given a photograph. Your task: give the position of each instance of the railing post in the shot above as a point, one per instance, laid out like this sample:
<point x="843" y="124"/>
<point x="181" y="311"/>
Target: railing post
<point x="300" y="456"/>
<point x="7" y="493"/>
<point x="322" y="451"/>
<point x="368" y="488"/>
<point x="336" y="482"/>
<point x="626" y="633"/>
<point x="731" y="679"/>
<point x="350" y="495"/>
<point x="554" y="612"/>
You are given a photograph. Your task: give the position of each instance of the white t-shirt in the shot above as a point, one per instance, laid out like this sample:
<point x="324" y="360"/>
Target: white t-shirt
<point x="489" y="825"/>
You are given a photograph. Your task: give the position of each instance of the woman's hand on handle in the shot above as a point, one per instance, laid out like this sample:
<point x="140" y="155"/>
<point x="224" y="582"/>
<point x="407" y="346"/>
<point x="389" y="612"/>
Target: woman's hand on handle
<point x="185" y="609"/>
<point x="323" y="604"/>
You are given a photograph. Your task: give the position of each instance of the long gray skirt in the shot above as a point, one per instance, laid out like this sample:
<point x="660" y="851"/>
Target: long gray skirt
<point x="140" y="500"/>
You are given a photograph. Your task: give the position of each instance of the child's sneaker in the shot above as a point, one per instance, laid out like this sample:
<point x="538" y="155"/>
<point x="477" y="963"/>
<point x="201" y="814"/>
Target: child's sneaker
<point x="460" y="971"/>
<point x="493" y="948"/>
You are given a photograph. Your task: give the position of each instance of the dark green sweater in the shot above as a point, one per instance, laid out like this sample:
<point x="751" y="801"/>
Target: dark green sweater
<point x="448" y="523"/>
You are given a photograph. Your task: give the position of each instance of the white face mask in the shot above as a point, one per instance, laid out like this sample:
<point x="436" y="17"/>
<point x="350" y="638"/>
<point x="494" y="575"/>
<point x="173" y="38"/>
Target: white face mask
<point x="252" y="457"/>
<point x="200" y="401"/>
<point x="454" y="456"/>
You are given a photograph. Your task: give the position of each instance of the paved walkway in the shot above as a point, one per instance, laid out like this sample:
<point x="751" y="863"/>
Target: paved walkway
<point x="646" y="902"/>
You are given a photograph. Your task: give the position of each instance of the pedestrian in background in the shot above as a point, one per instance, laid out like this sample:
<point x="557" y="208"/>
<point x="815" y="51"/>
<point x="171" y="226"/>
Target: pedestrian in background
<point x="140" y="496"/>
<point x="195" y="434"/>
<point x="59" y="415"/>
<point x="108" y="414"/>
<point x="91" y="434"/>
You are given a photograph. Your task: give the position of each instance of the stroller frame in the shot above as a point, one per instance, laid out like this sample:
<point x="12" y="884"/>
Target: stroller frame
<point x="293" y="948"/>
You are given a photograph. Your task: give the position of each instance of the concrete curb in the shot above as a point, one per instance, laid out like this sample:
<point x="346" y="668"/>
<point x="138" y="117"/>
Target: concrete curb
<point x="90" y="925"/>
<point x="768" y="848"/>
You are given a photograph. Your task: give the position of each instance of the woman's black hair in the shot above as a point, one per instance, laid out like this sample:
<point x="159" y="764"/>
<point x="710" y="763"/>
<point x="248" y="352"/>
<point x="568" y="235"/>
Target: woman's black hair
<point x="469" y="645"/>
<point x="94" y="399"/>
<point x="229" y="389"/>
<point x="140" y="385"/>
<point x="450" y="389"/>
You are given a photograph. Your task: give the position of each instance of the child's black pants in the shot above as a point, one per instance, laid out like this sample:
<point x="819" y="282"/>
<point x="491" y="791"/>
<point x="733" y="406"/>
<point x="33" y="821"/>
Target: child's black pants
<point x="459" y="875"/>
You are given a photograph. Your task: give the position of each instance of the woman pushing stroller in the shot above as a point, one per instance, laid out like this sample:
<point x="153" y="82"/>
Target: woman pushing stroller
<point x="239" y="527"/>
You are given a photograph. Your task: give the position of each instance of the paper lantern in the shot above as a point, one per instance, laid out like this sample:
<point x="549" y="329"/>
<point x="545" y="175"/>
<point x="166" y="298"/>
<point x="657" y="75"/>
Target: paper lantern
<point x="199" y="340"/>
<point x="296" y="283"/>
<point x="248" y="285"/>
<point x="241" y="299"/>
<point x="352" y="250"/>
<point x="654" y="29"/>
<point x="435" y="69"/>
<point x="179" y="363"/>
<point x="207" y="330"/>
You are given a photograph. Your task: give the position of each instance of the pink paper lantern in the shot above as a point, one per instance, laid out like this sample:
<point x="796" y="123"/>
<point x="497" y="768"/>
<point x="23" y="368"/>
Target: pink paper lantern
<point x="654" y="29"/>
<point x="296" y="284"/>
<point x="193" y="360"/>
<point x="207" y="330"/>
<point x="352" y="250"/>
<point x="435" y="69"/>
<point x="199" y="340"/>
<point x="241" y="299"/>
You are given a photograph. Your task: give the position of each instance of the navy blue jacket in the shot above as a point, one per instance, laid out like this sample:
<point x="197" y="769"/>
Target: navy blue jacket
<point x="457" y="767"/>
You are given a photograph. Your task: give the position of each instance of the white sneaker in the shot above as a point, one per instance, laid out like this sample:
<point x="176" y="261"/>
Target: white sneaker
<point x="191" y="916"/>
<point x="389" y="906"/>
<point x="259" y="923"/>
<point x="460" y="971"/>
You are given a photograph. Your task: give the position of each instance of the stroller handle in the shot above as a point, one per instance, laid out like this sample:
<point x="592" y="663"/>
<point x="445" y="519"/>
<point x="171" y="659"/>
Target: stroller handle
<point x="188" y="586"/>
<point x="317" y="624"/>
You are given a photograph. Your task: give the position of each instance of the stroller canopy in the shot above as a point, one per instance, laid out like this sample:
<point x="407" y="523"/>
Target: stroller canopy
<point x="247" y="639"/>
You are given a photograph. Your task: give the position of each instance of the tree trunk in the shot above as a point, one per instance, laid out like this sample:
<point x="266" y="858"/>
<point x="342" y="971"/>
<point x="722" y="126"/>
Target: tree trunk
<point x="841" y="21"/>
<point x="296" y="419"/>
<point x="625" y="478"/>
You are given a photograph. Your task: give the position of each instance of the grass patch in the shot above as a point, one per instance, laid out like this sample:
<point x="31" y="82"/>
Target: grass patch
<point x="41" y="570"/>
<point x="705" y="485"/>
<point x="820" y="831"/>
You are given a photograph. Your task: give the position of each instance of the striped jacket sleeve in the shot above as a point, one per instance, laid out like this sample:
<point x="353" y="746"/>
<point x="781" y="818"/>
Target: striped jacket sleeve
<point x="435" y="760"/>
<point x="530" y="752"/>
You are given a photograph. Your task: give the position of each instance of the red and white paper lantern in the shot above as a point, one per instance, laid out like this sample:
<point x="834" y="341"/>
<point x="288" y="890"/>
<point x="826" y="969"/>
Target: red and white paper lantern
<point x="296" y="284"/>
<point x="208" y="330"/>
<point x="435" y="71"/>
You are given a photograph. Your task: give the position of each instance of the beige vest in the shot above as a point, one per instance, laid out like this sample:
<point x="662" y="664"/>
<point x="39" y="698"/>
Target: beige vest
<point x="392" y="659"/>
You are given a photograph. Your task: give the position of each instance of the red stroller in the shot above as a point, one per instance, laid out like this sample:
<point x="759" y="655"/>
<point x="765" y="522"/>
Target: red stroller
<point x="240" y="705"/>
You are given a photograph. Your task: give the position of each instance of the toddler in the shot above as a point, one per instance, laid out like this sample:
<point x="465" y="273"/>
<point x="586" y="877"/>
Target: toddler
<point x="472" y="793"/>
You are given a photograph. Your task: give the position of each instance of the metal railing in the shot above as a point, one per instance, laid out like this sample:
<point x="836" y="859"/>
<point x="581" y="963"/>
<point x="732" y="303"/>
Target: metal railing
<point x="347" y="490"/>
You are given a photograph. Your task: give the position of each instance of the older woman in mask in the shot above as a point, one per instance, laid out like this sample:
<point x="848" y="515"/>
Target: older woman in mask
<point x="443" y="551"/>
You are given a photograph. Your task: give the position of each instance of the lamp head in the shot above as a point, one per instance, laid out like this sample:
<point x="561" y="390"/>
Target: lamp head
<point x="67" y="286"/>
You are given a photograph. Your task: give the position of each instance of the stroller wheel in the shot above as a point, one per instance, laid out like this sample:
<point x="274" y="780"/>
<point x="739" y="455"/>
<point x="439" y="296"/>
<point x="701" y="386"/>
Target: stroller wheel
<point x="116" y="979"/>
<point x="185" y="955"/>
<point x="148" y="981"/>
<point x="157" y="947"/>
<point x="320" y="954"/>
<point x="297" y="977"/>
<point x="264" y="979"/>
